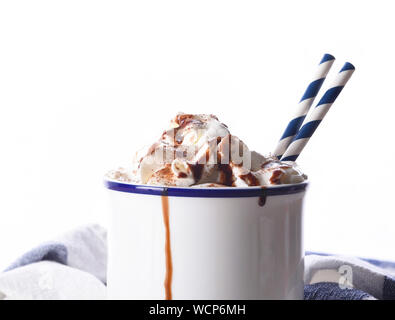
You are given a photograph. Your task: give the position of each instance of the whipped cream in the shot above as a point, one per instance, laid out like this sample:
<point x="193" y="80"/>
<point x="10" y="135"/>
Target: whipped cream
<point x="197" y="150"/>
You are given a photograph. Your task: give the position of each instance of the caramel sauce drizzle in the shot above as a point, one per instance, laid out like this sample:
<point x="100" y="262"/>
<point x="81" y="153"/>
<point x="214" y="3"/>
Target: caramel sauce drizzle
<point x="169" y="262"/>
<point x="262" y="197"/>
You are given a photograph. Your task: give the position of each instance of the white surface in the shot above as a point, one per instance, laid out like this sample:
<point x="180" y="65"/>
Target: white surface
<point x="222" y="248"/>
<point x="85" y="83"/>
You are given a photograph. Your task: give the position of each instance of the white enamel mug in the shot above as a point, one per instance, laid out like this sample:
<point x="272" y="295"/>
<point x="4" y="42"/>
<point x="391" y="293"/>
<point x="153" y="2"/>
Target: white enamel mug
<point x="205" y="243"/>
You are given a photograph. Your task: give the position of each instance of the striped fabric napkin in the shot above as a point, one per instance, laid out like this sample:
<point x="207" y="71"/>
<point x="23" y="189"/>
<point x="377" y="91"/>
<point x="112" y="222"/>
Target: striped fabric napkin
<point x="332" y="277"/>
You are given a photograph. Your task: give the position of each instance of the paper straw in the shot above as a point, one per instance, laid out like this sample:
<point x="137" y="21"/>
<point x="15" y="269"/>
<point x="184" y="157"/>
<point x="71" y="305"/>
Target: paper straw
<point x="304" y="104"/>
<point x="318" y="113"/>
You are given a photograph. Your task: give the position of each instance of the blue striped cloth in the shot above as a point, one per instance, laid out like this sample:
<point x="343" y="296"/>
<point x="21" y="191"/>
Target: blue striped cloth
<point x="79" y="260"/>
<point x="326" y="278"/>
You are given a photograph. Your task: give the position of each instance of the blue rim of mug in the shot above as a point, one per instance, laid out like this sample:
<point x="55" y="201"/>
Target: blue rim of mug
<point x="196" y="192"/>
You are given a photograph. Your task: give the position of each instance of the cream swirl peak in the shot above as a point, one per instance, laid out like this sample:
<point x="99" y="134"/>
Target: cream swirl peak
<point x="198" y="150"/>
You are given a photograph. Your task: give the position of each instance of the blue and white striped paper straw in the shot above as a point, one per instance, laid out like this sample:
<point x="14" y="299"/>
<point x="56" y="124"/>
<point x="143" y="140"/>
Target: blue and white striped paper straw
<point x="304" y="104"/>
<point x="318" y="113"/>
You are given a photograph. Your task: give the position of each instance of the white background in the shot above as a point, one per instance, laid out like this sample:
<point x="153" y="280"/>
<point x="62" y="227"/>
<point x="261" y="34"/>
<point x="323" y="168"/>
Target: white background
<point x="85" y="83"/>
